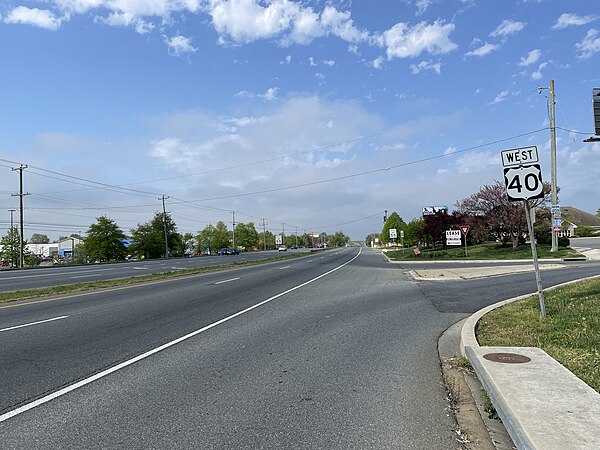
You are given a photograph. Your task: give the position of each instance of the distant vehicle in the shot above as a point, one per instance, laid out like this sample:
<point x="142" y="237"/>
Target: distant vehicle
<point x="282" y="248"/>
<point x="193" y="255"/>
<point x="228" y="251"/>
<point x="294" y="247"/>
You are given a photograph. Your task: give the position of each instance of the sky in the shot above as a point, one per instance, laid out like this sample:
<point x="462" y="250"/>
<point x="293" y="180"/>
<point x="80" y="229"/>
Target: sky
<point x="316" y="116"/>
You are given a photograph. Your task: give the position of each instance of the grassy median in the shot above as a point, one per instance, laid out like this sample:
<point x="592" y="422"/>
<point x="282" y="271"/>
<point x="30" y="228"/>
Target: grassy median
<point x="485" y="251"/>
<point x="570" y="333"/>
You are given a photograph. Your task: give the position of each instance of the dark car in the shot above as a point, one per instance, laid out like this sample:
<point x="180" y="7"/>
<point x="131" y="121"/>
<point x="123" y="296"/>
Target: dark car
<point x="228" y="251"/>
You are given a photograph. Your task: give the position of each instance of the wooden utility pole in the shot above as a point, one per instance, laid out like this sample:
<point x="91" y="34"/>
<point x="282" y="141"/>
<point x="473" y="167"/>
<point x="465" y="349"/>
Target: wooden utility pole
<point x="20" y="195"/>
<point x="163" y="198"/>
<point x="553" y="192"/>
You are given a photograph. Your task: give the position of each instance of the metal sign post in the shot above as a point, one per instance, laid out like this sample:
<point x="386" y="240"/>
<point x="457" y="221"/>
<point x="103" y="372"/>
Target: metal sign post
<point x="538" y="277"/>
<point x="465" y="230"/>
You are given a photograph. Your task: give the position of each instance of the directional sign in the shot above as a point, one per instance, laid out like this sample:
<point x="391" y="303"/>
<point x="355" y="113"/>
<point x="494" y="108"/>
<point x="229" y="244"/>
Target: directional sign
<point x="393" y="233"/>
<point x="465" y="229"/>
<point x="524" y="182"/>
<point x="519" y="156"/>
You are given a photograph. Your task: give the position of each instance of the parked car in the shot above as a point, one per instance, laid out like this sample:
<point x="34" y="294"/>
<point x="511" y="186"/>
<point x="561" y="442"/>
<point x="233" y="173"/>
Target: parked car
<point x="282" y="248"/>
<point x="234" y="251"/>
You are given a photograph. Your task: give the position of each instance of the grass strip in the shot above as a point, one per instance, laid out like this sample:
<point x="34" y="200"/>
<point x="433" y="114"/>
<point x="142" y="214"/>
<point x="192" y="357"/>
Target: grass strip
<point x="485" y="251"/>
<point x="570" y="333"/>
<point x="11" y="296"/>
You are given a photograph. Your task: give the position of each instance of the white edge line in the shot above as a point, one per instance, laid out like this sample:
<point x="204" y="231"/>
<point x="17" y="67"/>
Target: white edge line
<point x="227" y="281"/>
<point x="33" y="323"/>
<point x="285" y="267"/>
<point x="124" y="364"/>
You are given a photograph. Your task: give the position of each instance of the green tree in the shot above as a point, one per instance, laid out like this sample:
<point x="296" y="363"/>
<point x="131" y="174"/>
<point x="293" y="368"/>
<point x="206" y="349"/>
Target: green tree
<point x="246" y="236"/>
<point x="221" y="237"/>
<point x="149" y="238"/>
<point x="266" y="240"/>
<point x="339" y="239"/>
<point x="204" y="237"/>
<point x="188" y="242"/>
<point x="414" y="231"/>
<point x="394" y="221"/>
<point x="39" y="239"/>
<point x="10" y="243"/>
<point x="104" y="241"/>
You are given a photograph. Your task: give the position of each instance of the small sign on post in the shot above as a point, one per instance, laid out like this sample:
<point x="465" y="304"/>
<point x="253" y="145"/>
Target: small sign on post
<point x="465" y="230"/>
<point x="453" y="237"/>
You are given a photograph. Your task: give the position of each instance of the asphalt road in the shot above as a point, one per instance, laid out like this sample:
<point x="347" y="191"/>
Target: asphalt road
<point x="38" y="277"/>
<point x="348" y="360"/>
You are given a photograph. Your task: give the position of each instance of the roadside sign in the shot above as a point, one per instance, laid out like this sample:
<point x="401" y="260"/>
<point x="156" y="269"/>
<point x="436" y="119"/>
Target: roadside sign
<point x="278" y="239"/>
<point x="465" y="229"/>
<point x="555" y="211"/>
<point x="524" y="182"/>
<point x="393" y="233"/>
<point x="453" y="237"/>
<point x="516" y="157"/>
<point x="402" y="234"/>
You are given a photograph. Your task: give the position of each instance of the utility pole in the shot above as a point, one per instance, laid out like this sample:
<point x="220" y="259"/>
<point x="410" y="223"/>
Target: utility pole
<point x="12" y="246"/>
<point x="163" y="198"/>
<point x="264" y="225"/>
<point x="553" y="196"/>
<point x="21" y="168"/>
<point x="233" y="230"/>
<point x="296" y="236"/>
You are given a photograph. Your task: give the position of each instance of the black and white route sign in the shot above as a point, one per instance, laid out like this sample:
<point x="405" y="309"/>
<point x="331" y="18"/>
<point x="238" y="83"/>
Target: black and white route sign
<point x="524" y="182"/>
<point x="516" y="157"/>
<point x="393" y="233"/>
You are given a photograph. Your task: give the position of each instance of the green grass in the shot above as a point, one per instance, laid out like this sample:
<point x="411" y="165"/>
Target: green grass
<point x="11" y="296"/>
<point x="487" y="250"/>
<point x="570" y="333"/>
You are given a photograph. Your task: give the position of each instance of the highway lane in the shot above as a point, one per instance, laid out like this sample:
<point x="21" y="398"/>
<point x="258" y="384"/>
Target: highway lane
<point x="59" y="275"/>
<point x="347" y="361"/>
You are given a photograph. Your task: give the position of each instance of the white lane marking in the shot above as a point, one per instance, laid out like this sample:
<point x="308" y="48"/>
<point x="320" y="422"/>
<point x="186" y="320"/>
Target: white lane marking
<point x="309" y="261"/>
<point x="86" y="276"/>
<point x="140" y="268"/>
<point x="53" y="274"/>
<point x="285" y="267"/>
<point x="227" y="281"/>
<point x="131" y="361"/>
<point x="33" y="323"/>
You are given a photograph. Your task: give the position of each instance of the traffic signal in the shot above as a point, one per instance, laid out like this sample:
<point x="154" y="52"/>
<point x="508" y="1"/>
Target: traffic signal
<point x="596" y="102"/>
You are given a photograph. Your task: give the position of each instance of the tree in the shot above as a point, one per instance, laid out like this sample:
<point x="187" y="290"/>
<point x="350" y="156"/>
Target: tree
<point x="246" y="236"/>
<point x="414" y="231"/>
<point x="104" y="241"/>
<point x="11" y="245"/>
<point x="221" y="237"/>
<point x="436" y="225"/>
<point x="339" y="239"/>
<point x="504" y="219"/>
<point x="188" y="242"/>
<point x="266" y="240"/>
<point x="39" y="239"/>
<point x="394" y="221"/>
<point x="149" y="238"/>
<point x="370" y="239"/>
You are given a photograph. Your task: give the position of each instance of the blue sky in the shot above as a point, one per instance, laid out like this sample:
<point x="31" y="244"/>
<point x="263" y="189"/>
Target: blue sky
<point x="283" y="110"/>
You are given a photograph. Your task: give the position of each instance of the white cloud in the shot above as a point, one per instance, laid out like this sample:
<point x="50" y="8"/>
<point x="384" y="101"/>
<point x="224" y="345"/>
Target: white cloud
<point x="565" y="20"/>
<point x="180" y="45"/>
<point x="42" y="18"/>
<point x="329" y="62"/>
<point x="244" y="21"/>
<point x="532" y="57"/>
<point x="287" y="61"/>
<point x="378" y="62"/>
<point x="500" y="97"/>
<point x="353" y="48"/>
<point x="311" y="61"/>
<point x="402" y="41"/>
<point x="589" y="46"/>
<point x="451" y="149"/>
<point x="537" y="75"/>
<point x="508" y="27"/>
<point x="270" y="94"/>
<point x="484" y="50"/>
<point x="422" y="6"/>
<point x="426" y="65"/>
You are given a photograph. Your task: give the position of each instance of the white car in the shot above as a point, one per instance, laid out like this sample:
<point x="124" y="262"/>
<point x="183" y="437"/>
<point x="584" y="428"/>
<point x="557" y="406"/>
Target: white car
<point x="282" y="248"/>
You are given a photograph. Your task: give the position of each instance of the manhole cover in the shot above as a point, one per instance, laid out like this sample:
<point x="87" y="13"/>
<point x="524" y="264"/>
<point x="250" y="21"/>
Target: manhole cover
<point x="509" y="358"/>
